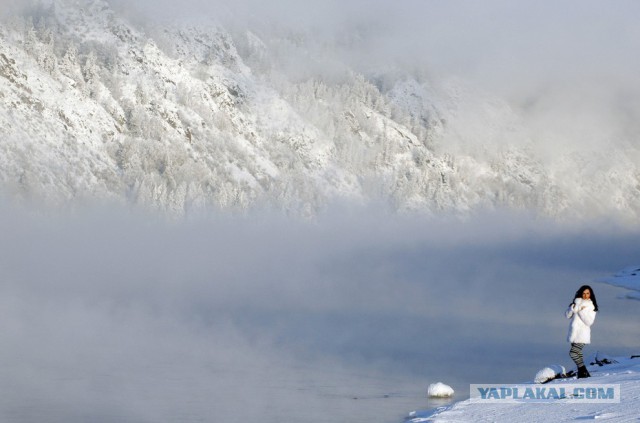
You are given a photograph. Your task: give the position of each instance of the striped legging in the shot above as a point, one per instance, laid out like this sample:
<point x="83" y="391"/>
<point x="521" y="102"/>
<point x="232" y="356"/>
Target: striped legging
<point x="576" y="354"/>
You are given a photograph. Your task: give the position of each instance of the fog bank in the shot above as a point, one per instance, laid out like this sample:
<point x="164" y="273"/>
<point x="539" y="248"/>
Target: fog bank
<point x="115" y="317"/>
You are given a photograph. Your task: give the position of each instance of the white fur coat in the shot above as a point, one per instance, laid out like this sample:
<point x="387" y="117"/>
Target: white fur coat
<point x="582" y="314"/>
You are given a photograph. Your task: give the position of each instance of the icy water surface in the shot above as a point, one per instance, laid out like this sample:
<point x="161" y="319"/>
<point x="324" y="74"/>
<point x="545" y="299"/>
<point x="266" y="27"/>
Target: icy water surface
<point x="118" y="318"/>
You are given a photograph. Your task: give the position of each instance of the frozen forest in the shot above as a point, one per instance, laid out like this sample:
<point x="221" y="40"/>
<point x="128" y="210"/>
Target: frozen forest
<point x="191" y="117"/>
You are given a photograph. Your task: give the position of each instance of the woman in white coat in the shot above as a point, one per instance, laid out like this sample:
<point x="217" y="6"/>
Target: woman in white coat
<point x="582" y="312"/>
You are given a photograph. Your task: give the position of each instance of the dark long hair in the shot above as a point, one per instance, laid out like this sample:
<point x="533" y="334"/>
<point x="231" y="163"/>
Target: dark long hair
<point x="593" y="296"/>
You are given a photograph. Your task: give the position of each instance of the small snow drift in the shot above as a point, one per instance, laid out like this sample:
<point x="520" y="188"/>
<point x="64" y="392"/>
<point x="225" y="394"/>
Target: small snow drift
<point x="440" y="390"/>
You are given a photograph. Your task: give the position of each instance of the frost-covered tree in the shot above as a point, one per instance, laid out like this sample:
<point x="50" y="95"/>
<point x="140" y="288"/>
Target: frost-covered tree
<point x="91" y="74"/>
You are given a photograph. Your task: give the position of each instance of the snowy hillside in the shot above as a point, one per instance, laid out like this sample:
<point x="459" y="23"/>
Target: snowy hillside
<point x="625" y="372"/>
<point x="192" y="117"/>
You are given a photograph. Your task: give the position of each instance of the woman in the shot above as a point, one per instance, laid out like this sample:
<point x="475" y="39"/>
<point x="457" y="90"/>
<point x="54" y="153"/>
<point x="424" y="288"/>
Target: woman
<point x="582" y="312"/>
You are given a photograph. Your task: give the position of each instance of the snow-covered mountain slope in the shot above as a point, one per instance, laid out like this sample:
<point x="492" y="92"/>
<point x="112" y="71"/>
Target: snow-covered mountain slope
<point x="192" y="117"/>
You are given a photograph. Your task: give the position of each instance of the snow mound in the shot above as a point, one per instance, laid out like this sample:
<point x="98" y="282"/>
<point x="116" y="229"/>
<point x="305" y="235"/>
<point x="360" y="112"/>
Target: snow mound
<point x="548" y="373"/>
<point x="440" y="390"/>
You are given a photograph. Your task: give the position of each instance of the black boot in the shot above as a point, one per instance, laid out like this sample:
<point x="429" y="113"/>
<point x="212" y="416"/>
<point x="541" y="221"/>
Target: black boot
<point x="583" y="372"/>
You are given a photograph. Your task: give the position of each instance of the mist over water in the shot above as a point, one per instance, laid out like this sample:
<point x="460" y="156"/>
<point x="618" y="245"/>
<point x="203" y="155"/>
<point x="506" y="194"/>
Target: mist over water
<point x="123" y="317"/>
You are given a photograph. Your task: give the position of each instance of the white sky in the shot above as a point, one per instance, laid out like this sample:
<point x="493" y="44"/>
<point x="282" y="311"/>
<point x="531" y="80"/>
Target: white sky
<point x="500" y="42"/>
<point x="489" y="37"/>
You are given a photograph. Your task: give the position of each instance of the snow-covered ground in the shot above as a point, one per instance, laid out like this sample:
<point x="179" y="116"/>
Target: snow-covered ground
<point x="629" y="278"/>
<point x="626" y="373"/>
